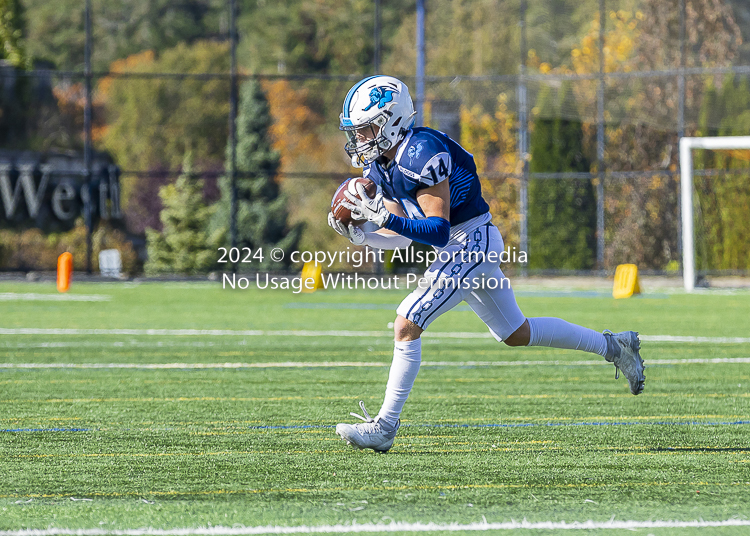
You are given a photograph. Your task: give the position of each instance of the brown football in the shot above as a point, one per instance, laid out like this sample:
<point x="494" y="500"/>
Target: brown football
<point x="343" y="214"/>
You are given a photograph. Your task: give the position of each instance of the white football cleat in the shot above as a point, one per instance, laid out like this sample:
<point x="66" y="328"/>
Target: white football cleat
<point x="371" y="434"/>
<point x="623" y="349"/>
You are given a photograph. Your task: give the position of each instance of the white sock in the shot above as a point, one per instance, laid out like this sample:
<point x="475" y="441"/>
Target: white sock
<point x="407" y="356"/>
<point x="557" y="333"/>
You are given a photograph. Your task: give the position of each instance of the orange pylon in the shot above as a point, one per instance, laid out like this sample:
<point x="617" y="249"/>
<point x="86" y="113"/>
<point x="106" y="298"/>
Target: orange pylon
<point x="64" y="271"/>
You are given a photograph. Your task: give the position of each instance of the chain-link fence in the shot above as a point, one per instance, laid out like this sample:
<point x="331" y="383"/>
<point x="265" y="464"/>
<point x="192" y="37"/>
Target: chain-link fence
<point x="573" y="112"/>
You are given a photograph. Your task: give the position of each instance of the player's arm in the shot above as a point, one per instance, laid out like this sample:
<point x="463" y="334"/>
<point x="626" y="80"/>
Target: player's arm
<point x="435" y="201"/>
<point x="434" y="229"/>
<point x="385" y="238"/>
<point x="431" y="175"/>
<point x="394" y="208"/>
<point x="371" y="234"/>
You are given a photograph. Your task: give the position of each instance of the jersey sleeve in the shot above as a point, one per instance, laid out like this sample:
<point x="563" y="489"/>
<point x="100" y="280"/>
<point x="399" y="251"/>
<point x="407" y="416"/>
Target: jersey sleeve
<point x="426" y="161"/>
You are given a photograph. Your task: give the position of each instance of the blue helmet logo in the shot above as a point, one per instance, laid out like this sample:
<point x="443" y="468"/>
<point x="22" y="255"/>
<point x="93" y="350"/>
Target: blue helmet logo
<point x="414" y="152"/>
<point x="380" y="96"/>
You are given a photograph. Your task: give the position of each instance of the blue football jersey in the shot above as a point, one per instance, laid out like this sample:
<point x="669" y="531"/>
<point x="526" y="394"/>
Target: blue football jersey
<point x="425" y="158"/>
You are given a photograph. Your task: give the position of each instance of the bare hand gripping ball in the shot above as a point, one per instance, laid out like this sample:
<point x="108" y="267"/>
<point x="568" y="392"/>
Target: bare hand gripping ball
<point x="343" y="214"/>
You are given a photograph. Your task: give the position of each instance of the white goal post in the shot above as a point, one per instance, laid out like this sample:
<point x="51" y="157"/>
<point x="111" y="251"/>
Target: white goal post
<point x="686" y="186"/>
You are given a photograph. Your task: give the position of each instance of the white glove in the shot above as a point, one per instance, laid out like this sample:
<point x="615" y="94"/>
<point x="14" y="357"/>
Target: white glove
<point x="364" y="208"/>
<point x="355" y="235"/>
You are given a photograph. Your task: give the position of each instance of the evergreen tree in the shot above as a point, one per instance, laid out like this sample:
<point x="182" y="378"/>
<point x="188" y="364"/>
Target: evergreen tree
<point x="562" y="212"/>
<point x="261" y="208"/>
<point x="12" y="26"/>
<point x="184" y="245"/>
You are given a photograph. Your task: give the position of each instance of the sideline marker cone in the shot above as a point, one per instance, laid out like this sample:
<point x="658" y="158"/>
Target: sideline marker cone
<point x="626" y="281"/>
<point x="64" y="271"/>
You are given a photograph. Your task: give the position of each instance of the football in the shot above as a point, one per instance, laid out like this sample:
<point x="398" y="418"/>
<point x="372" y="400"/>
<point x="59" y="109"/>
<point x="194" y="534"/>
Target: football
<point x="343" y="214"/>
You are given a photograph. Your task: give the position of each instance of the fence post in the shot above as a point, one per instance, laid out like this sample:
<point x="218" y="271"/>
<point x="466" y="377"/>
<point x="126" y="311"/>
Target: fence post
<point x="376" y="40"/>
<point x="87" y="207"/>
<point x="523" y="140"/>
<point x="420" y="62"/>
<point x="378" y="265"/>
<point x="600" y="165"/>
<point x="233" y="125"/>
<point x="681" y="77"/>
<point x="681" y="112"/>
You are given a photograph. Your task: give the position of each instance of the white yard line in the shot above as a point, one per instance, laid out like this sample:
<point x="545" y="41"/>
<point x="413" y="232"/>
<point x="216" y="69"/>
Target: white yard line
<point x="323" y="333"/>
<point x="321" y="364"/>
<point x="193" y="332"/>
<point x="391" y="527"/>
<point x="674" y="338"/>
<point x="15" y="296"/>
<point x="288" y="364"/>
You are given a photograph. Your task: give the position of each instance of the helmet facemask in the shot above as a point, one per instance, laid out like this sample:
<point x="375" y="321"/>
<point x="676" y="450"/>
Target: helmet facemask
<point x="375" y="142"/>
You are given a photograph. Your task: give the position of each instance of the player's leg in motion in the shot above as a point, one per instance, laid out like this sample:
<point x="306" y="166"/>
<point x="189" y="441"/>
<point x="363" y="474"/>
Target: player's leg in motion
<point x="498" y="309"/>
<point x="418" y="310"/>
<point x="378" y="433"/>
<point x="622" y="349"/>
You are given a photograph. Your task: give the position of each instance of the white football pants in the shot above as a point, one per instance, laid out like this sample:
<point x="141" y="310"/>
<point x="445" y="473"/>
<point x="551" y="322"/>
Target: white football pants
<point x="465" y="271"/>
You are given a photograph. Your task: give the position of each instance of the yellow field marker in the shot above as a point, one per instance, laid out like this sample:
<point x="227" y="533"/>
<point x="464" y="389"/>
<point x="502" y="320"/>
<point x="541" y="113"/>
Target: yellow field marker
<point x="626" y="281"/>
<point x="312" y="277"/>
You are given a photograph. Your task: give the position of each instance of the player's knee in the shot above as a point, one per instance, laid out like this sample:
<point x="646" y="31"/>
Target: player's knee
<point x="520" y="337"/>
<point x="406" y="330"/>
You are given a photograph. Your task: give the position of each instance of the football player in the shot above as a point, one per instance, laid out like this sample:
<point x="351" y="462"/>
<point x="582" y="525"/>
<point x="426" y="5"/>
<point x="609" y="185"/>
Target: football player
<point x="429" y="191"/>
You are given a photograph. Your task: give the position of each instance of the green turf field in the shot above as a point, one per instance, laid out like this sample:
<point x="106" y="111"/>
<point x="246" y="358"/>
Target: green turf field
<point x="95" y="433"/>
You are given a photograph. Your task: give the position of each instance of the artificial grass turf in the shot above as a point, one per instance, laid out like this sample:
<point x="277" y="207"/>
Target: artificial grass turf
<point x="209" y="306"/>
<point x="187" y="447"/>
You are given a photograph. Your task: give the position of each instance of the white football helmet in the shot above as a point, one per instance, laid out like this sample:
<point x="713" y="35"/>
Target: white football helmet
<point x="378" y="101"/>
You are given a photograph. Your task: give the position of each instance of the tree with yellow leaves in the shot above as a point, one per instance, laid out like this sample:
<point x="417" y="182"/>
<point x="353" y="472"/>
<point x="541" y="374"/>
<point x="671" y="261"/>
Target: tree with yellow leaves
<point x="492" y="141"/>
